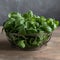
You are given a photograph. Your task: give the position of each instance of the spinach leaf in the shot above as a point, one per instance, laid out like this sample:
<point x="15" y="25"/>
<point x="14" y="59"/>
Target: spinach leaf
<point x="21" y="44"/>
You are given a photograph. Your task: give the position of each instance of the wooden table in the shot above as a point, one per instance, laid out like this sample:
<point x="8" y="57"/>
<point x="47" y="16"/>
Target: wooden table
<point x="49" y="52"/>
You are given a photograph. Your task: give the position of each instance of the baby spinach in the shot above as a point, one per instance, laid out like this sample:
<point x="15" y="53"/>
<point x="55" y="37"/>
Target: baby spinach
<point x="29" y="29"/>
<point x="21" y="44"/>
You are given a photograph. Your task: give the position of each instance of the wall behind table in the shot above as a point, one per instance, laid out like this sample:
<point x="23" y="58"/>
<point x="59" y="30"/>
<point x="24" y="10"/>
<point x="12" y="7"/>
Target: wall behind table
<point x="47" y="8"/>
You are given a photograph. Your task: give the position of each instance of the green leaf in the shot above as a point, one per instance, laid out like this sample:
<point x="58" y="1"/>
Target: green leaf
<point x="43" y="19"/>
<point x="52" y="23"/>
<point x="29" y="14"/>
<point x="48" y="29"/>
<point x="14" y="15"/>
<point x="54" y="26"/>
<point x="21" y="44"/>
<point x="56" y="22"/>
<point x="19" y="21"/>
<point x="21" y="30"/>
<point x="35" y="43"/>
<point x="9" y="24"/>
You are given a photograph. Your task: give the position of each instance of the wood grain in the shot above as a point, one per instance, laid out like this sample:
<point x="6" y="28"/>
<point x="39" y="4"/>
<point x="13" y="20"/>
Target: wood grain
<point x="49" y="52"/>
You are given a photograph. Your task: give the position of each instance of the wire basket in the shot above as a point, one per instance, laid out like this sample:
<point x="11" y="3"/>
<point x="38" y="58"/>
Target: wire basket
<point x="13" y="38"/>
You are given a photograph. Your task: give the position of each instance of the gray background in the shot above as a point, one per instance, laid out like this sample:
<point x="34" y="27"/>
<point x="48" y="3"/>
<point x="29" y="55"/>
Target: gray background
<point x="47" y="8"/>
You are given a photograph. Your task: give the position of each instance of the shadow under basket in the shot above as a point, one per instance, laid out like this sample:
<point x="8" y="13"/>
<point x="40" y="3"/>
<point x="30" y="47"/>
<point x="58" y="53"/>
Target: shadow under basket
<point x="11" y="38"/>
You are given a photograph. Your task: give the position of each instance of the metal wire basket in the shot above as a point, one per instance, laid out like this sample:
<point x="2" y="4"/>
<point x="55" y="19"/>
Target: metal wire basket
<point x="12" y="39"/>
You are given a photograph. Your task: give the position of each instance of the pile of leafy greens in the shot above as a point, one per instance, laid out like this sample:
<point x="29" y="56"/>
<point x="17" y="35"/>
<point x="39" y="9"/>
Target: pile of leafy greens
<point x="28" y="30"/>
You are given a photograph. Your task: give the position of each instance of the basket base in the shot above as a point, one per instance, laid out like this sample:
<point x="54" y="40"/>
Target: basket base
<point x="28" y="49"/>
